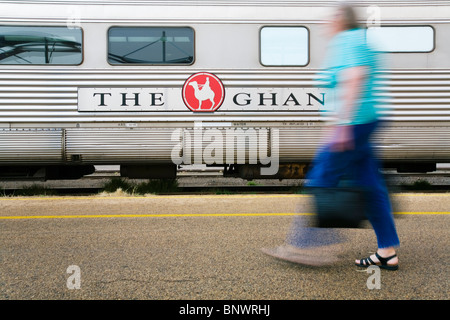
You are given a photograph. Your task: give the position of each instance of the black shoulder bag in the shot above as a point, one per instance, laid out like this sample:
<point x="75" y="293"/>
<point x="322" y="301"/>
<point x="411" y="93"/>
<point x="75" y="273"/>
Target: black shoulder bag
<point x="343" y="206"/>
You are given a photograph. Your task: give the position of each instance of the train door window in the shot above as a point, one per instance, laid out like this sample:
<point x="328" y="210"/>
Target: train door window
<point x="402" y="38"/>
<point x="284" y="46"/>
<point x="40" y="45"/>
<point x="151" y="45"/>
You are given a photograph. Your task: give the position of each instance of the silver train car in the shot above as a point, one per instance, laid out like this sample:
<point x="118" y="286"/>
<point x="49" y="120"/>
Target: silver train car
<point x="152" y="85"/>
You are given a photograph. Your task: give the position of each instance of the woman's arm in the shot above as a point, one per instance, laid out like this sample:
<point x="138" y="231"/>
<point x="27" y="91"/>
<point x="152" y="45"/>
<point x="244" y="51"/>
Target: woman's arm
<point x="351" y="84"/>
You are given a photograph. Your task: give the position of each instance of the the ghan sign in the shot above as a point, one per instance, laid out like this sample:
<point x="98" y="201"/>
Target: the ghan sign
<point x="203" y="92"/>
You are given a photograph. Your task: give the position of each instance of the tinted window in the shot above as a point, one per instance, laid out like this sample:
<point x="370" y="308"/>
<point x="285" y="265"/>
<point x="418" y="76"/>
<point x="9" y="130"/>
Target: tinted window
<point x="150" y="45"/>
<point x="40" y="45"/>
<point x="284" y="46"/>
<point x="402" y="39"/>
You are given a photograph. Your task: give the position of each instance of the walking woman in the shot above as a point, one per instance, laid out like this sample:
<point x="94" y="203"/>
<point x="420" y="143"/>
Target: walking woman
<point x="350" y="70"/>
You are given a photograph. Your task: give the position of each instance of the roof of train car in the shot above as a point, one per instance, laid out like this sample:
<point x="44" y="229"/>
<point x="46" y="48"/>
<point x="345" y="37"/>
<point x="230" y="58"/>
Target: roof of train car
<point x="213" y="11"/>
<point x="232" y="2"/>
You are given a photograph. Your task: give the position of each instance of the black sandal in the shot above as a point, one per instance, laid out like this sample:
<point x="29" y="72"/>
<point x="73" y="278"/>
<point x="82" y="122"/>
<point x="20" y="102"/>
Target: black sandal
<point x="383" y="264"/>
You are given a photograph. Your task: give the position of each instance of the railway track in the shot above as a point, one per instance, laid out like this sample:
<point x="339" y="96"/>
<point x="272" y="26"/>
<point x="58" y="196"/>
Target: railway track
<point x="210" y="180"/>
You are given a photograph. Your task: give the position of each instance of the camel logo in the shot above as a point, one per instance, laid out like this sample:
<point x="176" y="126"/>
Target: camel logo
<point x="203" y="92"/>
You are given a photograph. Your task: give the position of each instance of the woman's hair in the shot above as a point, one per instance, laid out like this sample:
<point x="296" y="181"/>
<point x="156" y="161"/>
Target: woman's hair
<point x="349" y="16"/>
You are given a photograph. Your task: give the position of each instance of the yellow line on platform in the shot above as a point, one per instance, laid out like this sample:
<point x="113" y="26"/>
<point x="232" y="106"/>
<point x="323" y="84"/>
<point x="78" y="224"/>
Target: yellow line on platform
<point x="414" y="213"/>
<point x="152" y="215"/>
<point x="230" y="196"/>
<point x="153" y="197"/>
<point x="184" y="215"/>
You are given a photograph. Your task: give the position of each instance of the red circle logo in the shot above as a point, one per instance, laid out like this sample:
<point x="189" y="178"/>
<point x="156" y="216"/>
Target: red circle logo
<point x="203" y="92"/>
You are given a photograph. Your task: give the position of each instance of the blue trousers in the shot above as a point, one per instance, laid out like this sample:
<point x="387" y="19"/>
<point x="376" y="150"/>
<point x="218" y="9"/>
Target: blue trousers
<point x="328" y="168"/>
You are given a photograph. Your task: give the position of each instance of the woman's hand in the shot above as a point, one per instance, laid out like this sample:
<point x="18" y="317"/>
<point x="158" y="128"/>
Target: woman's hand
<point x="342" y="139"/>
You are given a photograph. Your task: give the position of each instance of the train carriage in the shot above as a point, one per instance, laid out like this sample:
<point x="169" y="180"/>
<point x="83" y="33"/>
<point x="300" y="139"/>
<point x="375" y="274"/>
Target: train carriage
<point x="152" y="85"/>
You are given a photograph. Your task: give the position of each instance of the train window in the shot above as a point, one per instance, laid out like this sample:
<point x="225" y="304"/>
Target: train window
<point x="284" y="46"/>
<point x="40" y="45"/>
<point x="402" y="39"/>
<point x="151" y="45"/>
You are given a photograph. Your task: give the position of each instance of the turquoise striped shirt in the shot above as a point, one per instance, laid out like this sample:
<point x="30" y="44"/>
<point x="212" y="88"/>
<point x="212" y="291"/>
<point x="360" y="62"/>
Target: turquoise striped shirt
<point x="349" y="49"/>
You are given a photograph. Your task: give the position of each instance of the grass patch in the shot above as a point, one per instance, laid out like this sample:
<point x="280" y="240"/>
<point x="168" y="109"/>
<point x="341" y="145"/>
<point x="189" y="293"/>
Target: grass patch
<point x="35" y="190"/>
<point x="155" y="186"/>
<point x="298" y="188"/>
<point x="117" y="183"/>
<point x="418" y="185"/>
<point x="220" y="191"/>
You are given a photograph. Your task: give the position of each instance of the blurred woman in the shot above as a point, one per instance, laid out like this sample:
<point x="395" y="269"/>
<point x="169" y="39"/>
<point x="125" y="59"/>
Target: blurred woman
<point x="350" y="70"/>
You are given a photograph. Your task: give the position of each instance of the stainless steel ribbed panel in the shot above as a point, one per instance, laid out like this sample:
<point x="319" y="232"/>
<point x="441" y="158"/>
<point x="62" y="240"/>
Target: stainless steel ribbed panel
<point x="147" y="146"/>
<point x="119" y="145"/>
<point x="391" y="142"/>
<point x="299" y="144"/>
<point x="414" y="142"/>
<point x="30" y="146"/>
<point x="31" y="97"/>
